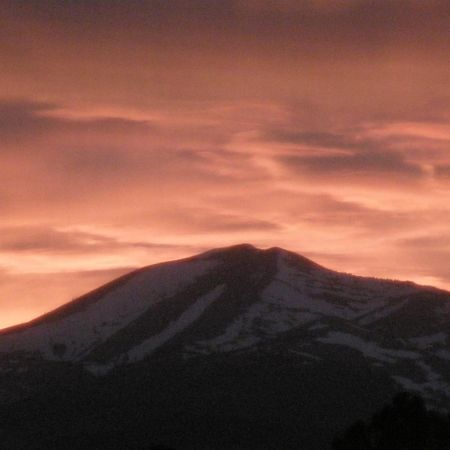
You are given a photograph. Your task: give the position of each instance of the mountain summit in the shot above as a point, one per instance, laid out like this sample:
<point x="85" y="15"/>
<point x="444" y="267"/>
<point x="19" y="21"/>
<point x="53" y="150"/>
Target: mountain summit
<point x="130" y="318"/>
<point x="273" y="321"/>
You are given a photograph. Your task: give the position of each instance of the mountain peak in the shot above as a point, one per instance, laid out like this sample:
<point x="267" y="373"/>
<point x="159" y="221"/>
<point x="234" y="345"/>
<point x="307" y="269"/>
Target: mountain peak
<point x="243" y="310"/>
<point x="229" y="299"/>
<point x="232" y="249"/>
<point x="272" y="256"/>
<point x="246" y="248"/>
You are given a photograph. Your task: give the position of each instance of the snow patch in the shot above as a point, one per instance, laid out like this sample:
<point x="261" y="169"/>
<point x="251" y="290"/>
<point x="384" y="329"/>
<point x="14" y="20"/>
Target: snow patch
<point x="99" y="370"/>
<point x="433" y="384"/>
<point x="367" y="348"/>
<point x="307" y="355"/>
<point x="186" y="318"/>
<point x="381" y="312"/>
<point x="423" y="342"/>
<point x="72" y="336"/>
<point x="295" y="297"/>
<point x="269" y="317"/>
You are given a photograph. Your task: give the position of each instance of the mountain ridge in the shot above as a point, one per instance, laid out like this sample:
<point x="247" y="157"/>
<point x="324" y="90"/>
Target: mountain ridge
<point x="226" y="299"/>
<point x="99" y="291"/>
<point x="235" y="335"/>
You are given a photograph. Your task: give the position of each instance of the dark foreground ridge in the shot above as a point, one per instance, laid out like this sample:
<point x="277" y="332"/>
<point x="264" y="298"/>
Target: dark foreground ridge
<point x="235" y="348"/>
<point x="405" y="423"/>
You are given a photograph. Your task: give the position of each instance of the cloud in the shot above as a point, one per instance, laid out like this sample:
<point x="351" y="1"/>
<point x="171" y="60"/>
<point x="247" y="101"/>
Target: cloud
<point x="277" y="50"/>
<point x="427" y="255"/>
<point x="350" y="154"/>
<point x="200" y="220"/>
<point x="34" y="239"/>
<point x="349" y="18"/>
<point x="135" y="132"/>
<point x="39" y="238"/>
<point x="326" y="212"/>
<point x="86" y="160"/>
<point x="442" y="172"/>
<point x="316" y="139"/>
<point x="376" y="163"/>
<point x="25" y="119"/>
<point x="426" y="242"/>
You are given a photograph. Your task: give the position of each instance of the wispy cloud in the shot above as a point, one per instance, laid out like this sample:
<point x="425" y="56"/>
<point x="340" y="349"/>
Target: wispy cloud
<point x="133" y="132"/>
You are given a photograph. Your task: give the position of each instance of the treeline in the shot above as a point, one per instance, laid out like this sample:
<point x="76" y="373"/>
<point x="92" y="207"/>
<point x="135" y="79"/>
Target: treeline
<point x="404" y="424"/>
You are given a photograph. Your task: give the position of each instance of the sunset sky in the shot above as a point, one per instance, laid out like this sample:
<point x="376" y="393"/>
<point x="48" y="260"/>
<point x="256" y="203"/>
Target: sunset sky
<point x="133" y="132"/>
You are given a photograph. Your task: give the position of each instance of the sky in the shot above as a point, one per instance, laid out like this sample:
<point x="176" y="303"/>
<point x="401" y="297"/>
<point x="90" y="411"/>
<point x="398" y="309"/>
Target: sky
<point x="142" y="131"/>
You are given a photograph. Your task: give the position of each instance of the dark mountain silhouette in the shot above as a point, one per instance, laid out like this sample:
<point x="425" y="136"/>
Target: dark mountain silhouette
<point x="236" y="348"/>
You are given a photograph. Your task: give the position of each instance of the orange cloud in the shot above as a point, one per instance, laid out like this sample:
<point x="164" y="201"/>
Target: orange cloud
<point x="132" y="133"/>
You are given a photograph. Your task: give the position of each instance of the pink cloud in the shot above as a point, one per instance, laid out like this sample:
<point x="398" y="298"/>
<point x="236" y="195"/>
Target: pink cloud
<point x="136" y="133"/>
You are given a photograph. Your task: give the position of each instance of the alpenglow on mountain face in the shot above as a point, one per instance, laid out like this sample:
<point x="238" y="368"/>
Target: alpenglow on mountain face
<point x="242" y="301"/>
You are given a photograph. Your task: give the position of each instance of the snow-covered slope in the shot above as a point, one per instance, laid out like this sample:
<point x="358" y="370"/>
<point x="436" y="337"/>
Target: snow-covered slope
<point x="94" y="318"/>
<point x="245" y="300"/>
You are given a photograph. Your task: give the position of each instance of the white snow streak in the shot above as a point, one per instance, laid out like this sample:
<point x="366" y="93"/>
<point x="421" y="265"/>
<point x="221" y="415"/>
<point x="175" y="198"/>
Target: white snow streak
<point x="187" y="318"/>
<point x="367" y="348"/>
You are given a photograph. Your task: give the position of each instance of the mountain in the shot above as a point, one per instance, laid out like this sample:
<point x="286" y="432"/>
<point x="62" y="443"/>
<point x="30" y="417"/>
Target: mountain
<point x="233" y="348"/>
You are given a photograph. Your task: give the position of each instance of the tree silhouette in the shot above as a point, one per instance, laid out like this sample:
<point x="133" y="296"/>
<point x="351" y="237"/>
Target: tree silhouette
<point x="405" y="424"/>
